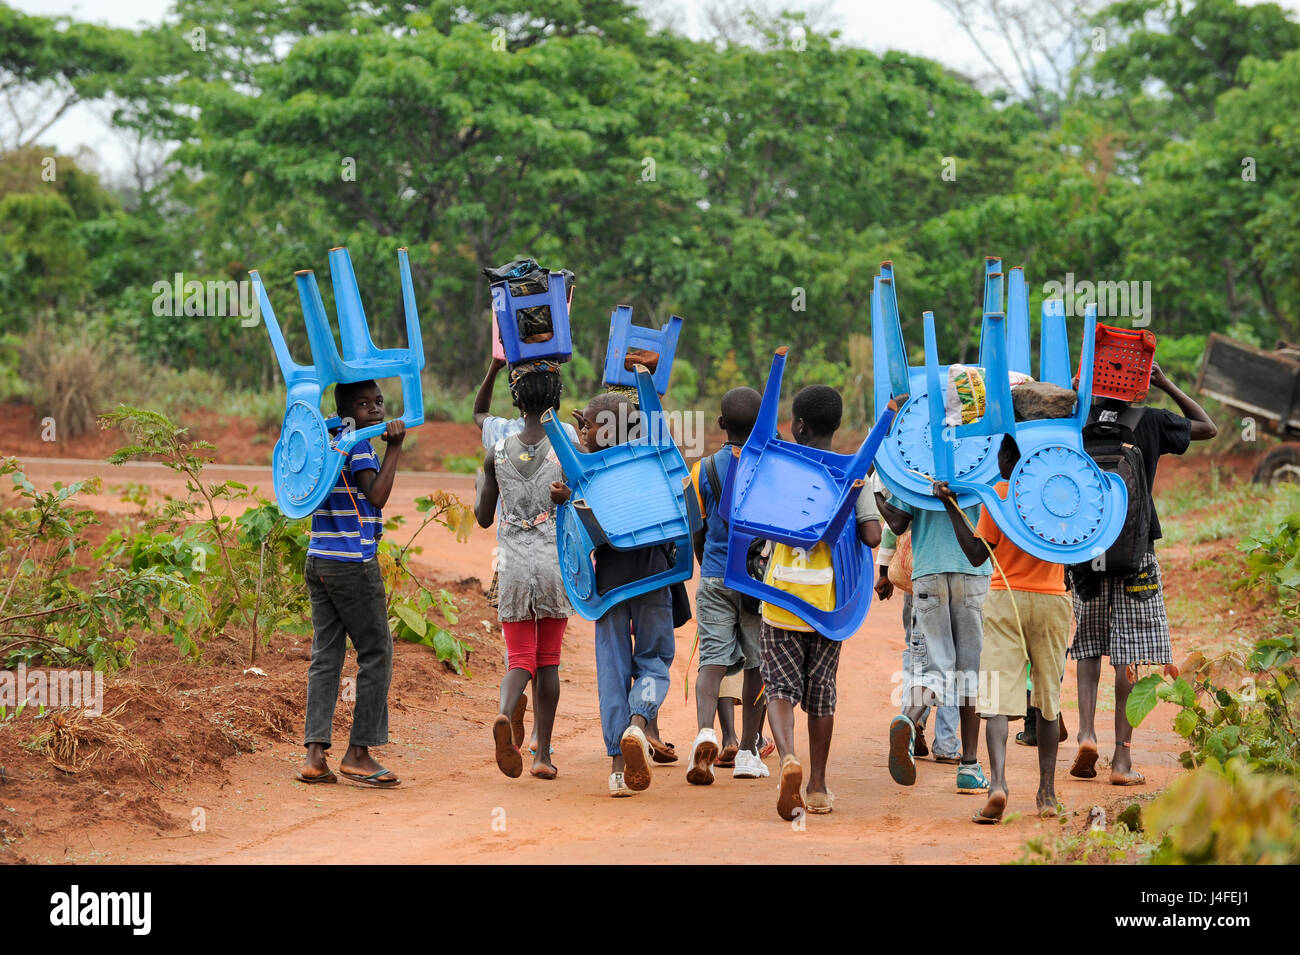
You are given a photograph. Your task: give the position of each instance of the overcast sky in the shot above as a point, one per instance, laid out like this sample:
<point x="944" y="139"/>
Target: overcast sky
<point x="915" y="26"/>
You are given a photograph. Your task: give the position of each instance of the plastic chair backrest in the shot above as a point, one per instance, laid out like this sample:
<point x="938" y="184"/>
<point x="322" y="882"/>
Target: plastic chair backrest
<point x="790" y="492"/>
<point x="505" y="309"/>
<point x="624" y="337"/>
<point x="629" y="496"/>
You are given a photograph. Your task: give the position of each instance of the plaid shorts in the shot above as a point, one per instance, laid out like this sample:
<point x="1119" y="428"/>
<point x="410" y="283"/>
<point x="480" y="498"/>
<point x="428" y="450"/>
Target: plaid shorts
<point x="1122" y="618"/>
<point x="799" y="667"/>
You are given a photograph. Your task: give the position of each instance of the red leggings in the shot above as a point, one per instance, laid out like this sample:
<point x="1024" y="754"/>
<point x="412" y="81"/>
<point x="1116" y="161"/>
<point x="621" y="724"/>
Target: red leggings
<point x="534" y="643"/>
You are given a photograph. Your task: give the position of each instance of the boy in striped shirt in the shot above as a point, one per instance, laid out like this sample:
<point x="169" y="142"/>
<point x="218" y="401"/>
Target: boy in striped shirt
<point x="347" y="597"/>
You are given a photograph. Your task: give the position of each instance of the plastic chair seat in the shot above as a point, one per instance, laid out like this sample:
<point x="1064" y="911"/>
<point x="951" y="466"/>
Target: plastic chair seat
<point x="625" y="337"/>
<point x="629" y="496"/>
<point x="789" y="492"/>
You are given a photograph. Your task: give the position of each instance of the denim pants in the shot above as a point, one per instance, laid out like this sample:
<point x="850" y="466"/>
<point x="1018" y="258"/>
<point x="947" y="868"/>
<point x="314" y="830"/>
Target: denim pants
<point x="347" y="600"/>
<point x="947" y="636"/>
<point x="947" y="742"/>
<point x="635" y="645"/>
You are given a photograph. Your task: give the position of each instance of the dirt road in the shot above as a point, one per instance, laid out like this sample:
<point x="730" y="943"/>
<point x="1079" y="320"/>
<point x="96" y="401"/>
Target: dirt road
<point x="455" y="806"/>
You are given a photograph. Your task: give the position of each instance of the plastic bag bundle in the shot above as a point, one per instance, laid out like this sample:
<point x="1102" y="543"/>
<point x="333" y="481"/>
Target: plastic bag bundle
<point x="526" y="277"/>
<point x="965" y="397"/>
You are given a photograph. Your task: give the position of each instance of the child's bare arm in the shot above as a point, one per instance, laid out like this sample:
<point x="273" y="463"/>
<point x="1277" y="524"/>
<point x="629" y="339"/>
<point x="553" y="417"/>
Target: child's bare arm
<point x="486" y="493"/>
<point x="560" y="493"/>
<point x="483" y="400"/>
<point x="975" y="552"/>
<point x="1203" y="429"/>
<point x="378" y="485"/>
<point x="897" y="520"/>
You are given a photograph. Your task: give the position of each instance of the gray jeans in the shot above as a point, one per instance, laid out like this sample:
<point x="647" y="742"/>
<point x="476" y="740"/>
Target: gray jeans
<point x="347" y="600"/>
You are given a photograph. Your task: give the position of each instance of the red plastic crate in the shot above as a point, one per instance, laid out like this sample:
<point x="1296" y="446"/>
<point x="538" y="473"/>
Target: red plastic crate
<point x="1121" y="366"/>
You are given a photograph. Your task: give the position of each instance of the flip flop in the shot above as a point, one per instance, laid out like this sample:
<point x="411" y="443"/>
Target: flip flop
<point x="994" y="797"/>
<point x="788" y="798"/>
<point x="1133" y="778"/>
<point x="517" y="720"/>
<point x="1085" y="762"/>
<point x="509" y="759"/>
<point x="662" y="752"/>
<point x="766" y="747"/>
<point x="726" y="759"/>
<point x="373" y="779"/>
<point x="328" y="777"/>
<point x="544" y="773"/>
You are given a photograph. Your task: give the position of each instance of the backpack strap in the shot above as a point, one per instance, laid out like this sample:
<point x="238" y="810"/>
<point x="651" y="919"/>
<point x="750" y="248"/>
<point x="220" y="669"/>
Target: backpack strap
<point x="1130" y="417"/>
<point x="711" y="469"/>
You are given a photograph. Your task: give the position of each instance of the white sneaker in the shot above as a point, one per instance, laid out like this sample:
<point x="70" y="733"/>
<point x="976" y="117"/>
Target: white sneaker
<point x="704" y="751"/>
<point x="636" y="758"/>
<point x="617" y="787"/>
<point x="750" y="766"/>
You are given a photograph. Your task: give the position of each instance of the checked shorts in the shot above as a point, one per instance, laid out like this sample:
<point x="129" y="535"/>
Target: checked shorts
<point x="799" y="667"/>
<point x="1122" y="618"/>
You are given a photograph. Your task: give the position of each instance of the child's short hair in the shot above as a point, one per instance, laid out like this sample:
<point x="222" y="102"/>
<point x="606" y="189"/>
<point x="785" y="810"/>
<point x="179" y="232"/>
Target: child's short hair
<point x="536" y="386"/>
<point x="820" y="407"/>
<point x="740" y="410"/>
<point x="345" y="392"/>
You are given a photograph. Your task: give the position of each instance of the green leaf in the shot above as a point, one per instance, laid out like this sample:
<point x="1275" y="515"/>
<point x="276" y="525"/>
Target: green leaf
<point x="1185" y="723"/>
<point x="1142" y="698"/>
<point x="411" y="618"/>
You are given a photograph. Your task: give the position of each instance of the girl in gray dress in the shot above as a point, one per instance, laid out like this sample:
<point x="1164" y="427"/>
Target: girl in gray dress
<point x="531" y="603"/>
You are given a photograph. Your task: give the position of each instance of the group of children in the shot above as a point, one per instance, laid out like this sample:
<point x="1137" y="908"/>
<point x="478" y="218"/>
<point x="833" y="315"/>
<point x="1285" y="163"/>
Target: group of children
<point x="973" y="636"/>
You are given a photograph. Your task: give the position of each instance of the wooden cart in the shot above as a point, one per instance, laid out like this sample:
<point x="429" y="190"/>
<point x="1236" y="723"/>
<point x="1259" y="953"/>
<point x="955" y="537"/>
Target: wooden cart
<point x="1263" y="385"/>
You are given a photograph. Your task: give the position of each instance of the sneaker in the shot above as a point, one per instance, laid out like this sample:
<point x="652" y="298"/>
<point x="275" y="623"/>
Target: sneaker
<point x="902" y="765"/>
<point x="750" y="766"/>
<point x="636" y="758"/>
<point x="617" y="787"/>
<point x="703" y="751"/>
<point x="970" y="779"/>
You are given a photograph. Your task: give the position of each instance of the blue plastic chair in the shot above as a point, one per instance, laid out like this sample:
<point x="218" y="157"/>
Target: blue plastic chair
<point x="909" y="448"/>
<point x="307" y="459"/>
<point x="624" y="336"/>
<point x="792" y="493"/>
<point x="850" y="558"/>
<point x="1060" y="507"/>
<point x="506" y="309"/>
<point x="630" y="496"/>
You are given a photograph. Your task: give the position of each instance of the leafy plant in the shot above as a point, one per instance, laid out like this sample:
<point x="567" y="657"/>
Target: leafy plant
<point x="463" y="463"/>
<point x="410" y="622"/>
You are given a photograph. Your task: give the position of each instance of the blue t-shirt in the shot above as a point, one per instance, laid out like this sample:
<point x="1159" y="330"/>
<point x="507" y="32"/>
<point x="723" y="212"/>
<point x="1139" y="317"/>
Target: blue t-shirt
<point x="714" y="563"/>
<point x="935" y="548"/>
<point x="347" y="526"/>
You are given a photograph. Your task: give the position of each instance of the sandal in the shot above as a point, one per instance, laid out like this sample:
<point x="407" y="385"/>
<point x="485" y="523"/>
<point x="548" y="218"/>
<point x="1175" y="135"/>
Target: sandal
<point x="726" y="758"/>
<point x="998" y="802"/>
<point x="662" y="752"/>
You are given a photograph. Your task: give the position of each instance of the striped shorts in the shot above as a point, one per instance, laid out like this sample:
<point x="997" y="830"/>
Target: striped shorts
<point x="799" y="667"/>
<point x="1122" y="618"/>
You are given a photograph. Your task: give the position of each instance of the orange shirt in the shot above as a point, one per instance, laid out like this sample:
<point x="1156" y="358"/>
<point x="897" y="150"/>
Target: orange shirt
<point x="1024" y="572"/>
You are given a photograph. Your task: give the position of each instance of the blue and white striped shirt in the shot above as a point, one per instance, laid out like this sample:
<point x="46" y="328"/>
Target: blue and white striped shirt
<point x="347" y="526"/>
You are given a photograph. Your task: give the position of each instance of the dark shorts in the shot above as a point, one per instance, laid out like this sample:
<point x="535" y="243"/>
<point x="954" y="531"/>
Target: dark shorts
<point x="799" y="667"/>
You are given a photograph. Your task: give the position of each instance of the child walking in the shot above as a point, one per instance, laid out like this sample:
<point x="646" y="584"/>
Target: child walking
<point x="1033" y="598"/>
<point x="798" y="663"/>
<point x="635" y="643"/>
<point x="347" y="598"/>
<point x="531" y="603"/>
<point x="728" y="631"/>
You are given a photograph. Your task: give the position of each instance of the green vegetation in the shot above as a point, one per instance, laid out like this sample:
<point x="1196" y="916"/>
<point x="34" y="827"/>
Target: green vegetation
<point x="752" y="187"/>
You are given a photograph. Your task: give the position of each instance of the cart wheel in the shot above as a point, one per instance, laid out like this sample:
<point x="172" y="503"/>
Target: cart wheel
<point x="1281" y="465"/>
<point x="1058" y="494"/>
<point x="303" y="468"/>
<point x="575" y="559"/>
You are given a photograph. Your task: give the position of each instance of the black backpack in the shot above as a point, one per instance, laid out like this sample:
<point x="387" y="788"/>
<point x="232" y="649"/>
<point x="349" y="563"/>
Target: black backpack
<point x="755" y="559"/>
<point x="1113" y="445"/>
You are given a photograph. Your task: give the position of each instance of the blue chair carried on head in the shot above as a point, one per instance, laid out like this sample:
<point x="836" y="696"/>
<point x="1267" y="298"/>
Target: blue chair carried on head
<point x="307" y="459"/>
<point x="789" y="492"/>
<point x="633" y="495"/>
<point x="1060" y="506"/>
<point x="624" y="337"/>
<point x="506" y="308"/>
<point x="967" y="451"/>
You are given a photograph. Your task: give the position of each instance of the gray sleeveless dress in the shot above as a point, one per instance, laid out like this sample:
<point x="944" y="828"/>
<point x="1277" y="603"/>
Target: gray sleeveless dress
<point x="528" y="567"/>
